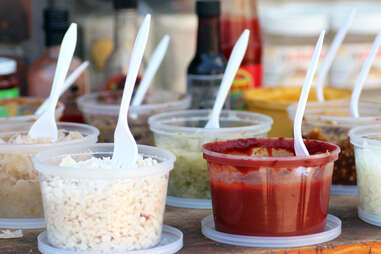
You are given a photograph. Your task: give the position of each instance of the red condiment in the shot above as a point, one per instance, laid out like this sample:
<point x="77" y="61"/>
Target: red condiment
<point x="239" y="15"/>
<point x="269" y="196"/>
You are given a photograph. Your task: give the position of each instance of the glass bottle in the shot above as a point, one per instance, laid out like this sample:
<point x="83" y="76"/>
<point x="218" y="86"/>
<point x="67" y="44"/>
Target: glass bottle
<point x="238" y="15"/>
<point x="41" y="72"/>
<point x="206" y="70"/>
<point x="125" y="30"/>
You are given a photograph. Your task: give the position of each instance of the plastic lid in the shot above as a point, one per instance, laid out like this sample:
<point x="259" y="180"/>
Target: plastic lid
<point x="22" y="223"/>
<point x="332" y="230"/>
<point x="89" y="133"/>
<point x="29" y="104"/>
<point x="191" y="123"/>
<point x="300" y="24"/>
<point x="7" y="66"/>
<point x="344" y="190"/>
<point x="208" y="8"/>
<point x="125" y="4"/>
<point x="369" y="218"/>
<point x="337" y="113"/>
<point x="368" y="135"/>
<point x="47" y="162"/>
<point x="162" y="101"/>
<point x="189" y="202"/>
<point x="171" y="242"/>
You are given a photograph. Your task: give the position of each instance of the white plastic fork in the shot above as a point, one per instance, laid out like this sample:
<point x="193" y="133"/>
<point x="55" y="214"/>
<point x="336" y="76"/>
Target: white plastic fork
<point x="354" y="104"/>
<point x="153" y="66"/>
<point x="68" y="82"/>
<point x="299" y="146"/>
<point x="46" y="126"/>
<point x="232" y="67"/>
<point x="125" y="149"/>
<point x="331" y="54"/>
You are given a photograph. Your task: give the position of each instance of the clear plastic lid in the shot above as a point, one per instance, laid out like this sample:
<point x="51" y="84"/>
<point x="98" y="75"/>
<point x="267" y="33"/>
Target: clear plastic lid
<point x="337" y="112"/>
<point x="155" y="100"/>
<point x="22" y="223"/>
<point x="89" y="133"/>
<point x="369" y="135"/>
<point x="369" y="218"/>
<point x="189" y="202"/>
<point x="192" y="123"/>
<point x="171" y="242"/>
<point x="47" y="161"/>
<point x="344" y="189"/>
<point x="332" y="230"/>
<point x="27" y="106"/>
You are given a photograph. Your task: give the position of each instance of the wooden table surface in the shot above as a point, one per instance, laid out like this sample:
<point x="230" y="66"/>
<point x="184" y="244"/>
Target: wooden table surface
<point x="357" y="237"/>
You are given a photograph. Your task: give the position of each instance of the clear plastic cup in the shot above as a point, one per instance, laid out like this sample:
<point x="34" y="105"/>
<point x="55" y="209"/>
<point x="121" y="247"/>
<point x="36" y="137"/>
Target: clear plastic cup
<point x="104" y="115"/>
<point x="273" y="101"/>
<point x="260" y="188"/>
<point x="183" y="133"/>
<point x="22" y="109"/>
<point x="331" y="121"/>
<point x="20" y="196"/>
<point x="367" y="145"/>
<point x="103" y="210"/>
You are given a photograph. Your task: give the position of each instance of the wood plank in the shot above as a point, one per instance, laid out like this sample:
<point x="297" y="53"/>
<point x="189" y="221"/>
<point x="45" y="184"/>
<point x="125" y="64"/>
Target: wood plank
<point x="357" y="236"/>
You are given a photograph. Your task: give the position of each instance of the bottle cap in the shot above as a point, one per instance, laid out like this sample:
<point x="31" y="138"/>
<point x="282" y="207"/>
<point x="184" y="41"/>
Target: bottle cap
<point x="56" y="22"/>
<point x="125" y="4"/>
<point x="208" y="8"/>
<point x="7" y="66"/>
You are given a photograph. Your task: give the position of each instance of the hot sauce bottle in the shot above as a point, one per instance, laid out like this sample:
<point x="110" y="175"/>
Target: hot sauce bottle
<point x="125" y="30"/>
<point x="206" y="70"/>
<point x="41" y="72"/>
<point x="238" y="15"/>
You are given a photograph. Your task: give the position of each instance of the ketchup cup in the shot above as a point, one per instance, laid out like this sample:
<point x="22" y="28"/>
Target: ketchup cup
<point x="260" y="188"/>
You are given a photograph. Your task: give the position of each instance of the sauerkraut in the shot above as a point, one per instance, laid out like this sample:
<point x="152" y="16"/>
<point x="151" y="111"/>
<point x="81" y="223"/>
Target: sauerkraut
<point x="368" y="179"/>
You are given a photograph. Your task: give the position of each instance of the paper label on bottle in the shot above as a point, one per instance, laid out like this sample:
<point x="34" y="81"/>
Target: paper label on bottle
<point x="287" y="65"/>
<point x="203" y="89"/>
<point x="248" y="76"/>
<point x="347" y="65"/>
<point x="9" y="93"/>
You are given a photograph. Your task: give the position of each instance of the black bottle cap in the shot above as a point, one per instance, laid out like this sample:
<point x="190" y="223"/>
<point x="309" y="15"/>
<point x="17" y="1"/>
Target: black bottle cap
<point x="208" y="8"/>
<point x="56" y="22"/>
<point x="125" y="4"/>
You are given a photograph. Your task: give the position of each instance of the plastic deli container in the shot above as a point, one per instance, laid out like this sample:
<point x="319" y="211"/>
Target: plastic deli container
<point x="183" y="133"/>
<point x="22" y="109"/>
<point x="356" y="45"/>
<point x="331" y="121"/>
<point x="94" y="209"/>
<point x="367" y="145"/>
<point x="102" y="109"/>
<point x="260" y="188"/>
<point x="20" y="196"/>
<point x="289" y="38"/>
<point x="274" y="102"/>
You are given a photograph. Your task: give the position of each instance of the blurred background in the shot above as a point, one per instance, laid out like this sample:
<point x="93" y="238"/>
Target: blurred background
<point x="289" y="30"/>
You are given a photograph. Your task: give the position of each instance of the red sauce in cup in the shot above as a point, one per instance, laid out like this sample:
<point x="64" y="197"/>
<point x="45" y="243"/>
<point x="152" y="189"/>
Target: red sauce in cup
<point x="268" y="194"/>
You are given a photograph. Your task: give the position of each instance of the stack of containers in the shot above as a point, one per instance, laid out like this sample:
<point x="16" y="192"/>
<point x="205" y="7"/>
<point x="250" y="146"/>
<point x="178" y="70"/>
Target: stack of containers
<point x="367" y="145"/>
<point x="20" y="196"/>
